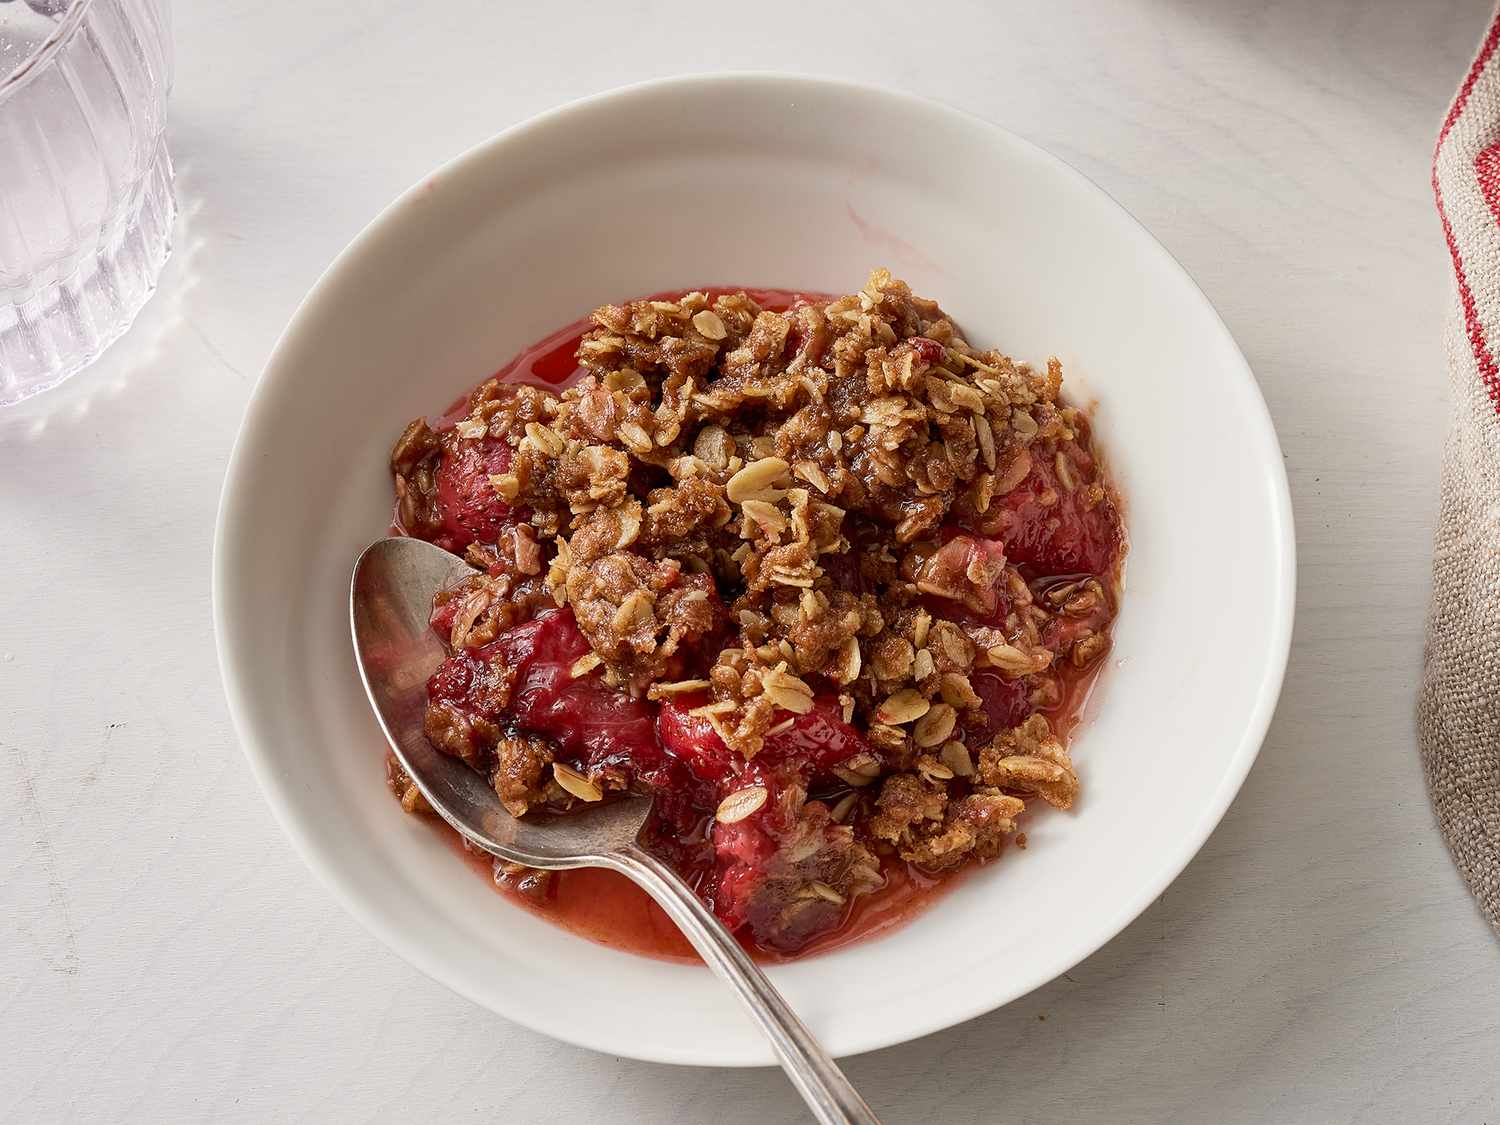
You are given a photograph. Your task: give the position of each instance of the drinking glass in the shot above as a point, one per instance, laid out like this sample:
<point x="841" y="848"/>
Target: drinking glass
<point x="86" y="205"/>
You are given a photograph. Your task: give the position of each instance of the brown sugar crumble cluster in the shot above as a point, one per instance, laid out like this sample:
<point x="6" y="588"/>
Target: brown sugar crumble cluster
<point x="827" y="579"/>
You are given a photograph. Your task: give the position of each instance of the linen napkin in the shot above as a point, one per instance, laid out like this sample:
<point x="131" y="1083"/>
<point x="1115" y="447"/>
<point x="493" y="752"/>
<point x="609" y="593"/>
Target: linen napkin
<point x="1458" y="713"/>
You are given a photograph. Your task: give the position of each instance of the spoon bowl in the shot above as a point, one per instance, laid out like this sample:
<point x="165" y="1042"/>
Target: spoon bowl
<point x="397" y="651"/>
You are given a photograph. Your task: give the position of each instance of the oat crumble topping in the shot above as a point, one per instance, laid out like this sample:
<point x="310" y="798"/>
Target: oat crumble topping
<point x="827" y="579"/>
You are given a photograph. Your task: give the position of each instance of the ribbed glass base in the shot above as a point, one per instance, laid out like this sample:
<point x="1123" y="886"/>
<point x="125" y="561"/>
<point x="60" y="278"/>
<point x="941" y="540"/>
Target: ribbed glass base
<point x="63" y="328"/>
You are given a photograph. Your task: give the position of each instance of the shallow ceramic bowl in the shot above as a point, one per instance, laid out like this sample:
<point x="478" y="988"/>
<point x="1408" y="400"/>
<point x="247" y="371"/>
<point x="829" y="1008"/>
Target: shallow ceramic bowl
<point x="795" y="183"/>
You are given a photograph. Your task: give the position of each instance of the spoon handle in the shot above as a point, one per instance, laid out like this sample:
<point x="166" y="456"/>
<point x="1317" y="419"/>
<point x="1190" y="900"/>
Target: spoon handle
<point x="817" y="1078"/>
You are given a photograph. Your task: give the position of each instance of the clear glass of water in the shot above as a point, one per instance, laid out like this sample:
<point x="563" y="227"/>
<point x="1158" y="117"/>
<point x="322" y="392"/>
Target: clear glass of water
<point x="86" y="204"/>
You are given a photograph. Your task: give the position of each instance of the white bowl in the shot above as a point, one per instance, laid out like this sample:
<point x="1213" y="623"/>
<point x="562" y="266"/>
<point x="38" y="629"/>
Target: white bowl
<point x="763" y="181"/>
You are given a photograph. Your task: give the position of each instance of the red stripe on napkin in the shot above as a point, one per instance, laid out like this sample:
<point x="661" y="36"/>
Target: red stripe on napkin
<point x="1489" y="373"/>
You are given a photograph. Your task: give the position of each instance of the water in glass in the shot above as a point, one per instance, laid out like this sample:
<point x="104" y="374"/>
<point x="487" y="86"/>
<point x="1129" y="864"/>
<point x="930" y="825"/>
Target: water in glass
<point x="86" y="203"/>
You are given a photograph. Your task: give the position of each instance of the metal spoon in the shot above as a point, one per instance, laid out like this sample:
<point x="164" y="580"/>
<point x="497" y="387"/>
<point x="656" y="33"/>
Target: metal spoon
<point x="389" y="603"/>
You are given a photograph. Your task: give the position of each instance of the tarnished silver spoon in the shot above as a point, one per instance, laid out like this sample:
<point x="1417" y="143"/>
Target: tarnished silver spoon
<point x="389" y="603"/>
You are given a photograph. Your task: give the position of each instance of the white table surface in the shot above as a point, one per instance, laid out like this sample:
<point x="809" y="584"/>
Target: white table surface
<point x="164" y="955"/>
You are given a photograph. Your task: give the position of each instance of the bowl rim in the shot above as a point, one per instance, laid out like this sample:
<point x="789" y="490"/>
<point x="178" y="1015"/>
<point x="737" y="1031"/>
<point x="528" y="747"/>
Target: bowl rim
<point x="861" y="1040"/>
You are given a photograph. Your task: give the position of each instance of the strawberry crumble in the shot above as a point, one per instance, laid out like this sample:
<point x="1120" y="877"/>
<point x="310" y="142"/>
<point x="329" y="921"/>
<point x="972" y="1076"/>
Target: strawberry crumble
<point x="823" y="577"/>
